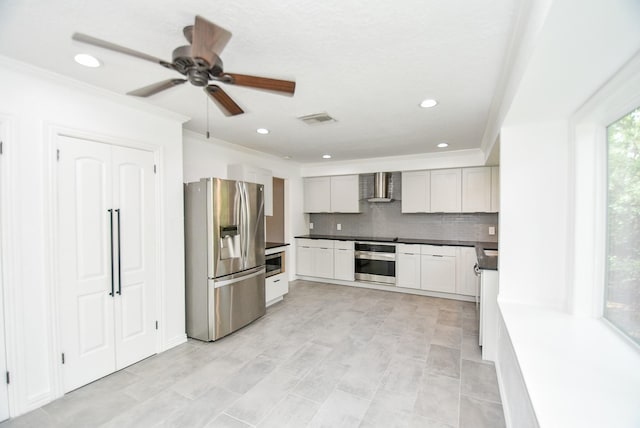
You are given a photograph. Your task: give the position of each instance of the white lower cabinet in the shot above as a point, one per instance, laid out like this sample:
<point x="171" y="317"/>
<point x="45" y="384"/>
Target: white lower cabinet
<point x="438" y="268"/>
<point x="467" y="282"/>
<point x="304" y="260"/>
<point x="408" y="266"/>
<point x="323" y="262"/>
<point x="343" y="261"/>
<point x="314" y="257"/>
<point x="488" y="333"/>
<point x="275" y="287"/>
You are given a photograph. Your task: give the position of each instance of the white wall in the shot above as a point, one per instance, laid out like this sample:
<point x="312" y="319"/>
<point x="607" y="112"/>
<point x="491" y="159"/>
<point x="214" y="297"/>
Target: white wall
<point x="579" y="47"/>
<point x="534" y="183"/>
<point x="35" y="102"/>
<point x="210" y="158"/>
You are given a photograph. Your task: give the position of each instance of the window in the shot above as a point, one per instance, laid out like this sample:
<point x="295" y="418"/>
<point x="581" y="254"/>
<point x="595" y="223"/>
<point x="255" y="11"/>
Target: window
<point x="622" y="288"/>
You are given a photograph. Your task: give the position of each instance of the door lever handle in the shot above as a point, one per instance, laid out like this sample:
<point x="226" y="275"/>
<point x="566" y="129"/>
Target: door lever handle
<point x="119" y="269"/>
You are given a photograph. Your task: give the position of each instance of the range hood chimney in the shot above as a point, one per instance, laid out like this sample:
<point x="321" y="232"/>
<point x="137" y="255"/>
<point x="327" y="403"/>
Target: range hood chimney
<point x="381" y="187"/>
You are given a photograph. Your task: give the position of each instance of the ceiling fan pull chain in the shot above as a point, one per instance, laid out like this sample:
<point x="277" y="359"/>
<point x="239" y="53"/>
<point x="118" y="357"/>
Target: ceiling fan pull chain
<point x="207" y="103"/>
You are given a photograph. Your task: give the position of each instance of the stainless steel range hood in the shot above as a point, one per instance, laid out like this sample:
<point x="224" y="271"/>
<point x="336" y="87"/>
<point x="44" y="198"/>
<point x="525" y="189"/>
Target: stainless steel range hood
<point x="381" y="191"/>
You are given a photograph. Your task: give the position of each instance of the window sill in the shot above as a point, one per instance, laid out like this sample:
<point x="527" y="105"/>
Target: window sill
<point x="578" y="372"/>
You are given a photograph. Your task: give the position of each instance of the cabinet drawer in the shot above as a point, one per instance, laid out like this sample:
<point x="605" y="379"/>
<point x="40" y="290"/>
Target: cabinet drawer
<point x="315" y="243"/>
<point x="275" y="286"/>
<point x="438" y="250"/>
<point x="408" y="248"/>
<point x="343" y="245"/>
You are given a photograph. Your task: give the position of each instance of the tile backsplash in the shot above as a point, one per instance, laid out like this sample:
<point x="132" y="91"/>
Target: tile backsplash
<point x="384" y="219"/>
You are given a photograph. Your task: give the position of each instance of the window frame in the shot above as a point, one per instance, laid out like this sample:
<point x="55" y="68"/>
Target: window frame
<point x="588" y="214"/>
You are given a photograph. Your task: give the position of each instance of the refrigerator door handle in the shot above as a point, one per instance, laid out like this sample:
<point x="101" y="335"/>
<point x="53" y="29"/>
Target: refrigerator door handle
<point x="110" y="211"/>
<point x="119" y="270"/>
<point x="240" y="276"/>
<point x="244" y="232"/>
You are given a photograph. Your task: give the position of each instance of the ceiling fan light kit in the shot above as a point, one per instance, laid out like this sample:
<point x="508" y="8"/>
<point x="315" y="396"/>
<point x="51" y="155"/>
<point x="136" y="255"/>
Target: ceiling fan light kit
<point x="199" y="63"/>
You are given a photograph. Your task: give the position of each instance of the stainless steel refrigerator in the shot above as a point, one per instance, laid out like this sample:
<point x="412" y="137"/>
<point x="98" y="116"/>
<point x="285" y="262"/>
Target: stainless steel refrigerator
<point x="224" y="256"/>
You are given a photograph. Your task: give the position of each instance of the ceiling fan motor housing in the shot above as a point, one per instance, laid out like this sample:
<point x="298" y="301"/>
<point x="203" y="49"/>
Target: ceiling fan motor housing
<point x="197" y="70"/>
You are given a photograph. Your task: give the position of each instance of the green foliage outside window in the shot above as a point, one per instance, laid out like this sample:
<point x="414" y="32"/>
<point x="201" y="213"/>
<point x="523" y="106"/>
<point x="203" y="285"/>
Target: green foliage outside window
<point x="622" y="290"/>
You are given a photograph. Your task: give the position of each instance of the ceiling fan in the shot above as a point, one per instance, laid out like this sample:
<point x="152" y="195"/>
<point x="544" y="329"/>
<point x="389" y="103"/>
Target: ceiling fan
<point x="200" y="63"/>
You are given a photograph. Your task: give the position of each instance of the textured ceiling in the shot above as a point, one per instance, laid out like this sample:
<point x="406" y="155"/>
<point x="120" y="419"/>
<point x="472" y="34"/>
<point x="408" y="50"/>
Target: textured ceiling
<point x="368" y="64"/>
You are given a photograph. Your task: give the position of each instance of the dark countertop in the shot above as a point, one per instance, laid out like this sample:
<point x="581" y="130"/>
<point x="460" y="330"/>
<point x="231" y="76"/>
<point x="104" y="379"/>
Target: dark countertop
<point x="484" y="262"/>
<point x="270" y="245"/>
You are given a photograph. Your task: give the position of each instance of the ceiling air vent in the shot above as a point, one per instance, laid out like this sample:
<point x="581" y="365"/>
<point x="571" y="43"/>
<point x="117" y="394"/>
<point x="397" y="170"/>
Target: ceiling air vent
<point x="317" y="118"/>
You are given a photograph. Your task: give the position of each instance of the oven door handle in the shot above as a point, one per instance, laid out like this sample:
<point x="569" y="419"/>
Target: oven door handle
<point x="371" y="255"/>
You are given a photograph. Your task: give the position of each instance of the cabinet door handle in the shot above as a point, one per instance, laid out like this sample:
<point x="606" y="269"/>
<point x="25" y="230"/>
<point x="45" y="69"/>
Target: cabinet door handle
<point x="111" y="229"/>
<point x="277" y="280"/>
<point x="119" y="270"/>
<point x="436" y="255"/>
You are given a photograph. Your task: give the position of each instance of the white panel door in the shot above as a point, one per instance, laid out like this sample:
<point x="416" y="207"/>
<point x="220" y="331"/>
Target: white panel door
<point x="134" y="205"/>
<point x="467" y="281"/>
<point x="408" y="270"/>
<point x="476" y="190"/>
<point x="323" y="262"/>
<point x="438" y="273"/>
<point x="495" y="189"/>
<point x="344" y="264"/>
<point x="85" y="269"/>
<point x="345" y="194"/>
<point x="304" y="260"/>
<point x="446" y="191"/>
<point x="4" y="391"/>
<point x="416" y="194"/>
<point x="317" y="194"/>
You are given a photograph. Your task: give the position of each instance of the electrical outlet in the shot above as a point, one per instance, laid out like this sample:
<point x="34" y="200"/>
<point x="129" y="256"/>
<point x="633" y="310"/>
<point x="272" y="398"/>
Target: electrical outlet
<point x="492" y="230"/>
<point x="310" y="226"/>
<point x="339" y="226"/>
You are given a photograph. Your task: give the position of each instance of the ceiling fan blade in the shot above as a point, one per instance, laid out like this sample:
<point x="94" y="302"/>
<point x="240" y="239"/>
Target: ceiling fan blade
<point x="223" y="100"/>
<point x="208" y="40"/>
<point x="153" y="89"/>
<point x="84" y="38"/>
<point x="285" y="86"/>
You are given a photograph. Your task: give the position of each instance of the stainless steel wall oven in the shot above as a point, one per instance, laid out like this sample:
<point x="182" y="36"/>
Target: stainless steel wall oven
<point x="375" y="263"/>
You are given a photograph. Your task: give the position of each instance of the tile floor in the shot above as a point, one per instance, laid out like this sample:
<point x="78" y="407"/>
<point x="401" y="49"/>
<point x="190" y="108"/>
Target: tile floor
<point x="328" y="356"/>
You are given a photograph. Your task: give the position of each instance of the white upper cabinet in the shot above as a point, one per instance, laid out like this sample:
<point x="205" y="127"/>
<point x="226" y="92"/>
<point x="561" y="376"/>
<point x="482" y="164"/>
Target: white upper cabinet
<point x="345" y="194"/>
<point x="317" y="195"/>
<point x="416" y="192"/>
<point x="476" y="190"/>
<point x="446" y="190"/>
<point x="255" y="175"/>
<point x="337" y="194"/>
<point x="495" y="189"/>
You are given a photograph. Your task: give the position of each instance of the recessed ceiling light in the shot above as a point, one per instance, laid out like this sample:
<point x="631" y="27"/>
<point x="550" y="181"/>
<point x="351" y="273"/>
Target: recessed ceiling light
<point x="326" y="156"/>
<point x="287" y="157"/>
<point x="428" y="103"/>
<point x="263" y="131"/>
<point x="87" y="60"/>
<point x="443" y="145"/>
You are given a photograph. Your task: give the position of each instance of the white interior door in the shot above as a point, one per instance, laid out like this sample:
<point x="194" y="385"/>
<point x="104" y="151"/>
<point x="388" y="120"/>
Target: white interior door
<point x="85" y="262"/>
<point x="134" y="202"/>
<point x="4" y="391"/>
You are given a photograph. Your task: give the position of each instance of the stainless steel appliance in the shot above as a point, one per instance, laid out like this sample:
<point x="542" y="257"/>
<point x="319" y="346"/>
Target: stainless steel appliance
<point x="274" y="263"/>
<point x="375" y="263"/>
<point x="224" y="255"/>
